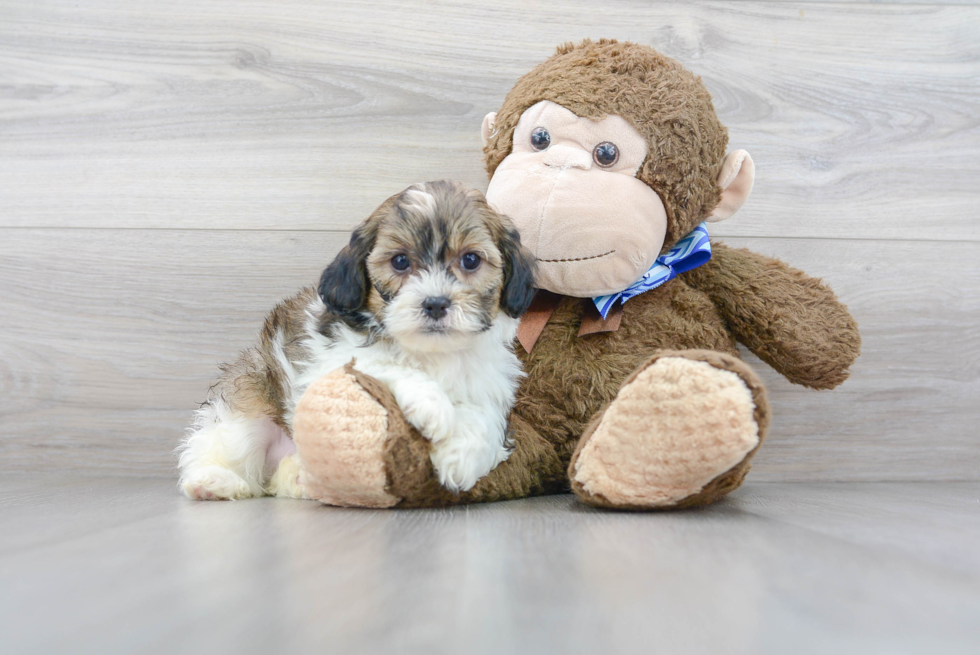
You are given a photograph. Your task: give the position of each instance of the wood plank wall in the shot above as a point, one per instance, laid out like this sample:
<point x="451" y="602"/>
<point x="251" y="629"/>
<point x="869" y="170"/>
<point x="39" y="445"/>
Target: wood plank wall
<point x="169" y="170"/>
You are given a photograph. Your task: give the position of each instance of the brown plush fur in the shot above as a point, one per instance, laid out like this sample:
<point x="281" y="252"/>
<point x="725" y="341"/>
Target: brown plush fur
<point x="662" y="100"/>
<point x="572" y="380"/>
<point x="791" y="321"/>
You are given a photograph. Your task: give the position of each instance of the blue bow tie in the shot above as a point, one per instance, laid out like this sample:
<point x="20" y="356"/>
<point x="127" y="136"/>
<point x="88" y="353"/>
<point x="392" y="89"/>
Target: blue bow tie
<point x="690" y="252"/>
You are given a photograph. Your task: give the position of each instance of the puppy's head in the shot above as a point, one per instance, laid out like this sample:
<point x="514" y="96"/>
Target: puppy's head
<point x="431" y="268"/>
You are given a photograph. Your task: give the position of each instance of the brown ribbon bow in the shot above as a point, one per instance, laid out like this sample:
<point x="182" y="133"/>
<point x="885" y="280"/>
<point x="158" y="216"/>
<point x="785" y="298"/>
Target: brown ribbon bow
<point x="544" y="305"/>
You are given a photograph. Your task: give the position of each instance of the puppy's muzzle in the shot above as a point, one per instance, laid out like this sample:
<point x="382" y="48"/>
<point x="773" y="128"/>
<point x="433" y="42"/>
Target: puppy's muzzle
<point x="436" y="307"/>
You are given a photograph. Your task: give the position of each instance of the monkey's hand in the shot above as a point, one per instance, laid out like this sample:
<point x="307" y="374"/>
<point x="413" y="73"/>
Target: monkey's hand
<point x="791" y="321"/>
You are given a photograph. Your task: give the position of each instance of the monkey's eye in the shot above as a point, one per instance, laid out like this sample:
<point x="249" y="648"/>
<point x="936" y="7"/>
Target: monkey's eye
<point x="470" y="261"/>
<point x="400" y="263"/>
<point x="540" y="139"/>
<point x="605" y="154"/>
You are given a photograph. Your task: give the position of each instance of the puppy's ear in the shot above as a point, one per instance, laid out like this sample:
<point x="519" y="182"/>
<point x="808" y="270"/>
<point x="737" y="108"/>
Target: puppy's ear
<point x="519" y="270"/>
<point x="344" y="283"/>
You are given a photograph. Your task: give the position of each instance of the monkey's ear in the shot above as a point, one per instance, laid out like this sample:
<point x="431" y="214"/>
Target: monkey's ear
<point x="519" y="268"/>
<point x="735" y="179"/>
<point x="489" y="123"/>
<point x="344" y="283"/>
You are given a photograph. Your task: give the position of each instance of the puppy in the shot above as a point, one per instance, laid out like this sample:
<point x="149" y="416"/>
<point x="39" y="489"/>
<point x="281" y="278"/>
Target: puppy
<point x="426" y="298"/>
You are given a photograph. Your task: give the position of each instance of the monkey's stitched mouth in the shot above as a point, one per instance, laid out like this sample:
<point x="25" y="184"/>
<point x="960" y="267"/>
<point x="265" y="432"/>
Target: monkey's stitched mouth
<point x="576" y="259"/>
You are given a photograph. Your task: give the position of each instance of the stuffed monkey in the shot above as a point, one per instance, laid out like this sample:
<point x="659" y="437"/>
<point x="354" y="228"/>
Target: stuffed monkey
<point x="609" y="158"/>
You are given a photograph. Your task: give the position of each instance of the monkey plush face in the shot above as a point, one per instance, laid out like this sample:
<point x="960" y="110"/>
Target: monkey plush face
<point x="570" y="187"/>
<point x="605" y="156"/>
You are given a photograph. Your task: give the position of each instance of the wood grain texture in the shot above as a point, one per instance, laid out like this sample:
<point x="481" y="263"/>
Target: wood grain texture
<point x="128" y="566"/>
<point x="167" y="172"/>
<point x="110" y="337"/>
<point x="863" y="118"/>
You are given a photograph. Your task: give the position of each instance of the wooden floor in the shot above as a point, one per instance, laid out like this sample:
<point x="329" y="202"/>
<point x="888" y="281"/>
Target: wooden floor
<point x="127" y="566"/>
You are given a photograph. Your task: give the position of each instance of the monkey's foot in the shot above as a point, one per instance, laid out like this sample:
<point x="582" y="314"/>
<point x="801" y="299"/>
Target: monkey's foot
<point x="680" y="432"/>
<point x="355" y="449"/>
<point x="340" y="431"/>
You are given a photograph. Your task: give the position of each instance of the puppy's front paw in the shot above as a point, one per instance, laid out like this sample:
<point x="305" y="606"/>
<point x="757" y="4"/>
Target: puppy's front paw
<point x="214" y="483"/>
<point x="435" y="417"/>
<point x="461" y="461"/>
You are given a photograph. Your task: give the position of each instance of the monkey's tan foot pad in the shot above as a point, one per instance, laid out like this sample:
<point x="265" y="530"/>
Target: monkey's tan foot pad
<point x="340" y="429"/>
<point x="680" y="432"/>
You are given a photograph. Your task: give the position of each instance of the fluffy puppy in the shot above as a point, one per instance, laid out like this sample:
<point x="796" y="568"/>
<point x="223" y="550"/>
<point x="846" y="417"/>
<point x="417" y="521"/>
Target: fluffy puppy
<point x="426" y="298"/>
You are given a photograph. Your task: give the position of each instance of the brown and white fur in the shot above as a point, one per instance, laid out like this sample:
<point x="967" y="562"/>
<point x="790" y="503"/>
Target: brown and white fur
<point x="438" y="335"/>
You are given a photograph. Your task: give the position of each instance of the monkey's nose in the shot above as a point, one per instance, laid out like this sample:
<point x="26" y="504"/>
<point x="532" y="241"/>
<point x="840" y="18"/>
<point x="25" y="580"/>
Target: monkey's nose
<point x="436" y="307"/>
<point x="563" y="156"/>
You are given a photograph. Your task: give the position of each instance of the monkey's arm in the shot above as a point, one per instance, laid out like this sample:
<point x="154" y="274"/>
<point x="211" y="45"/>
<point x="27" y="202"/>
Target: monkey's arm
<point x="791" y="321"/>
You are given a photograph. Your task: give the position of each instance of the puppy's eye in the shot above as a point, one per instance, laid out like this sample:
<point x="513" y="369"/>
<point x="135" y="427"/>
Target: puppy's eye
<point x="400" y="263"/>
<point x="540" y="139"/>
<point x="470" y="261"/>
<point x="605" y="154"/>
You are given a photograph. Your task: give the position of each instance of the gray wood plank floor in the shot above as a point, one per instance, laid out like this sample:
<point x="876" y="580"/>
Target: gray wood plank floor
<point x="127" y="566"/>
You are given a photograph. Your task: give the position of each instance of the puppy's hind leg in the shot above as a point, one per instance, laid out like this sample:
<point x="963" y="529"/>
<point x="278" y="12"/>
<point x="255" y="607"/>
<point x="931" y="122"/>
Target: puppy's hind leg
<point x="285" y="482"/>
<point x="224" y="456"/>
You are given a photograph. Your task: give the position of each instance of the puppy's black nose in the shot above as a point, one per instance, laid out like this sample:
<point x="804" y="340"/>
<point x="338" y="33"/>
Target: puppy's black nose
<point x="436" y="307"/>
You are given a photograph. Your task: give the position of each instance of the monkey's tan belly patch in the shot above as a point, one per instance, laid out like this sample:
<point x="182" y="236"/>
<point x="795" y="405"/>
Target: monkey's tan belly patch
<point x="678" y="425"/>
<point x="340" y="432"/>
